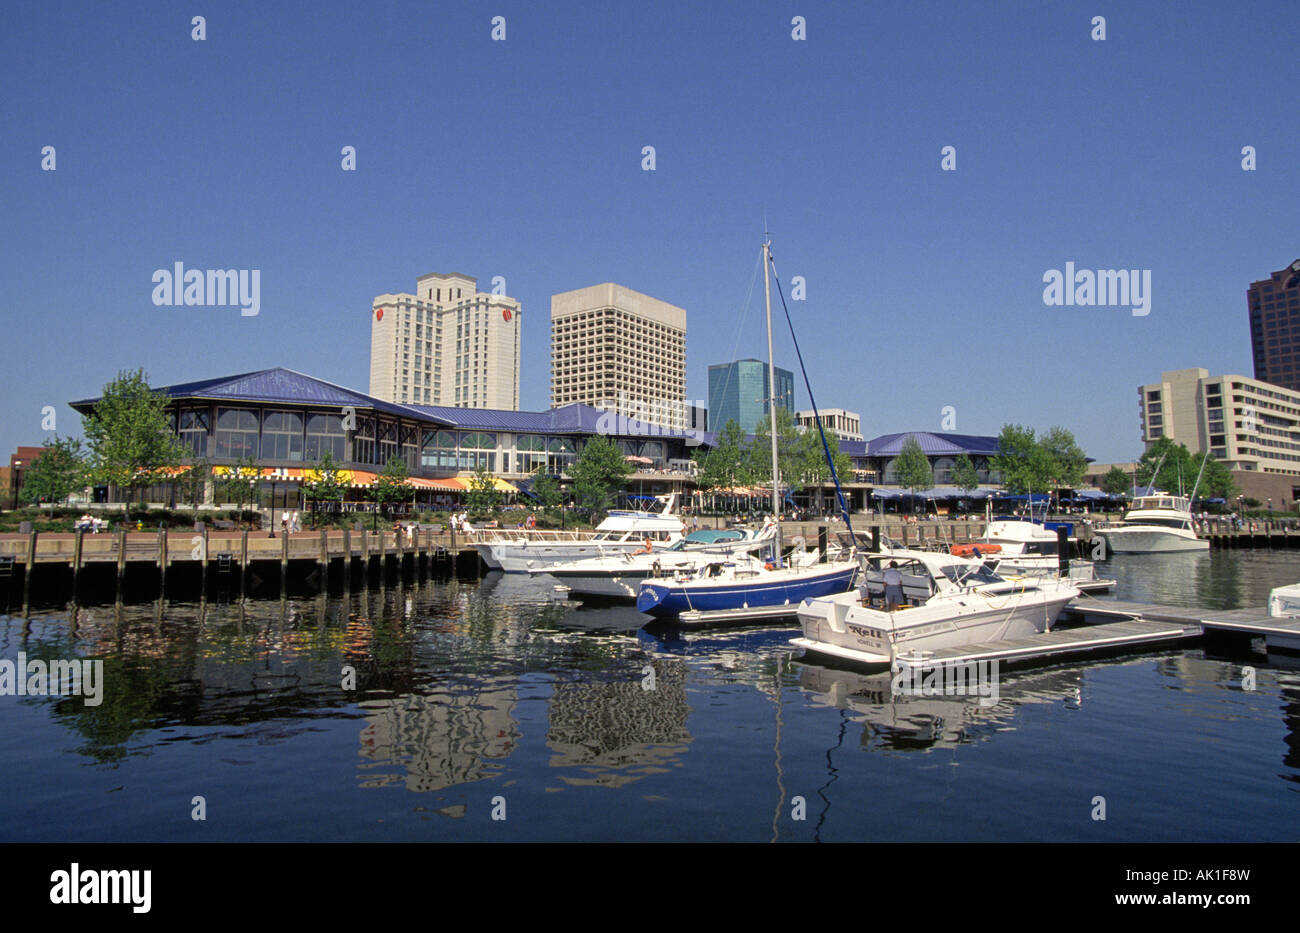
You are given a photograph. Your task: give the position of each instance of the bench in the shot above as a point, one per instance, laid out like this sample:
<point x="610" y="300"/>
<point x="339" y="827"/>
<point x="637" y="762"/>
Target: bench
<point x="224" y="525"/>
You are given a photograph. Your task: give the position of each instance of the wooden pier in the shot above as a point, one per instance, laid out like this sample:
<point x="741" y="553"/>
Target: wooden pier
<point x="206" y="556"/>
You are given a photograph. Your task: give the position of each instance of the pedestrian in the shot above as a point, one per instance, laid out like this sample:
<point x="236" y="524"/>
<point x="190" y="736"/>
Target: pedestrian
<point x="295" y="525"/>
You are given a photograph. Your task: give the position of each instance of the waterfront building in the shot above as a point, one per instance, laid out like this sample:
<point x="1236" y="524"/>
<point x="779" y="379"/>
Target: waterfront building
<point x="1252" y="426"/>
<point x="1274" y="307"/>
<point x="739" y="392"/>
<point x="447" y="344"/>
<point x="286" y="421"/>
<point x="846" y="424"/>
<point x="616" y="349"/>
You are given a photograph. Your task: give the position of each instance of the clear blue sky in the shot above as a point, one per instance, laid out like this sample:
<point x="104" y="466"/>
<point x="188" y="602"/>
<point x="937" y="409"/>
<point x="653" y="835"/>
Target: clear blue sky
<point x="522" y="158"/>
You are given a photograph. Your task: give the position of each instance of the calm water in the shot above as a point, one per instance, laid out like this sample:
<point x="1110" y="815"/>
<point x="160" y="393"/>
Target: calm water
<point x="499" y="696"/>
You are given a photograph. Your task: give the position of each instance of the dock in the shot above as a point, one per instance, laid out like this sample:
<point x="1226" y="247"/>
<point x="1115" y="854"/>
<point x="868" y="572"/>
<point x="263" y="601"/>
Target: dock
<point x="1115" y="625"/>
<point x="190" y="562"/>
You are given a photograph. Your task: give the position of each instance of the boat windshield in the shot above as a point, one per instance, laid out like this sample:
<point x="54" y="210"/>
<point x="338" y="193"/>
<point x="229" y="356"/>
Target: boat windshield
<point x="969" y="575"/>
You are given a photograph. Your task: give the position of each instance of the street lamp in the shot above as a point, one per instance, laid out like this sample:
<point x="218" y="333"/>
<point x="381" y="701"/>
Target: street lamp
<point x="16" y="481"/>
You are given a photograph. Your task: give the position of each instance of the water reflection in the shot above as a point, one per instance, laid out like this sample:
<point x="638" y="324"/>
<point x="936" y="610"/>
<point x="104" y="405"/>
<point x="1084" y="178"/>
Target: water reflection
<point x="908" y="723"/>
<point x="615" y="731"/>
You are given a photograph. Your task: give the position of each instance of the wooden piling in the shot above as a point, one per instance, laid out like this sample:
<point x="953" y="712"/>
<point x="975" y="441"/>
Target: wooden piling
<point x="324" y="558"/>
<point x="162" y="562"/>
<point x="27" y="568"/>
<point x="76" y="562"/>
<point x="347" y="558"/>
<point x="243" y="562"/>
<point x="121" y="560"/>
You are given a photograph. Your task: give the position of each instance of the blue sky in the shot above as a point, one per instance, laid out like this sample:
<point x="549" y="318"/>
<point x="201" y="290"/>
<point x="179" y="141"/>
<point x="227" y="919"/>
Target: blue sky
<point x="523" y="158"/>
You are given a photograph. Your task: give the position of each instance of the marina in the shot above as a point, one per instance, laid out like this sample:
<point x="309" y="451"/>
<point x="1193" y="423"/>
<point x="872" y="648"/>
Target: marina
<point x="474" y="688"/>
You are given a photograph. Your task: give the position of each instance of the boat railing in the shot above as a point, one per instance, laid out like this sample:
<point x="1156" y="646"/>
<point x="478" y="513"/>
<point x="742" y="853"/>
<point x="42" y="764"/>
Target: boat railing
<point x="516" y="535"/>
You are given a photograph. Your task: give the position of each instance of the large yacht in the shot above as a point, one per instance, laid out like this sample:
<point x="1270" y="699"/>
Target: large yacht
<point x="950" y="602"/>
<point x="1155" y="523"/>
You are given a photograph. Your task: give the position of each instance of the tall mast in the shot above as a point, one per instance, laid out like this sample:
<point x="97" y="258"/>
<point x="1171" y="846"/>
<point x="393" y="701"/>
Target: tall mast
<point x="771" y="391"/>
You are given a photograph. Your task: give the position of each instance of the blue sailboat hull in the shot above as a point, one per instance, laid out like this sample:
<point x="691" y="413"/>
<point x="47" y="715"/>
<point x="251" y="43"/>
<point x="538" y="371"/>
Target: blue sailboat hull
<point x="665" y="598"/>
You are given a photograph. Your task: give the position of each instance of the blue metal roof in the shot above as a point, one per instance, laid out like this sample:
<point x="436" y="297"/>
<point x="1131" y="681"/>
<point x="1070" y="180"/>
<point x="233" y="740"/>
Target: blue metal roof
<point x="281" y="386"/>
<point x="575" y="418"/>
<point x="934" y="445"/>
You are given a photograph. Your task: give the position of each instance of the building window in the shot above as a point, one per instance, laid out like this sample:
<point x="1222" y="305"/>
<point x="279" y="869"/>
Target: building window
<point x="236" y="433"/>
<point x="282" y="435"/>
<point x="324" y="433"/>
<point x="194" y="431"/>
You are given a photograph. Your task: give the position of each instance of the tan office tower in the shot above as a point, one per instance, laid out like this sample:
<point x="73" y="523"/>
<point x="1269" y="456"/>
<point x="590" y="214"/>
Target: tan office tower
<point x="448" y="344"/>
<point x="619" y="350"/>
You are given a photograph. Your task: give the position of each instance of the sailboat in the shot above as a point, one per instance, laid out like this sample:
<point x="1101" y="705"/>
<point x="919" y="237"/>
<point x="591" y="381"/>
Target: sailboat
<point x="739" y="586"/>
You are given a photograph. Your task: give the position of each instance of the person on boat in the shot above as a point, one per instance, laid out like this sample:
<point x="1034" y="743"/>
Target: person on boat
<point x="893" y="587"/>
<point x="647" y="546"/>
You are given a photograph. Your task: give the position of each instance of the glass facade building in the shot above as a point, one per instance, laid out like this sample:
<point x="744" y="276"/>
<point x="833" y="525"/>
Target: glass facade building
<point x="738" y="392"/>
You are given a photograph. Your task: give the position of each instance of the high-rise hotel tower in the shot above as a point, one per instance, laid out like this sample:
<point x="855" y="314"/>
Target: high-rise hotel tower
<point x="448" y="344"/>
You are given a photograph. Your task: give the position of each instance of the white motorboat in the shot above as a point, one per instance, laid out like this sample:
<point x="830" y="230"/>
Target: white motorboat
<point x="619" y="575"/>
<point x="950" y="602"/>
<point x="522" y="551"/>
<point x="1156" y="523"/>
<point x="1013" y="547"/>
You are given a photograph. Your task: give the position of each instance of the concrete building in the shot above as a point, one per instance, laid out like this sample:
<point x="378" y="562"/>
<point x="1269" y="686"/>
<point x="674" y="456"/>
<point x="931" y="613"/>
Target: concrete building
<point x="616" y="349"/>
<point x="739" y="392"/>
<point x="1274" y="305"/>
<point x="846" y="424"/>
<point x="1248" y="424"/>
<point x="448" y="344"/>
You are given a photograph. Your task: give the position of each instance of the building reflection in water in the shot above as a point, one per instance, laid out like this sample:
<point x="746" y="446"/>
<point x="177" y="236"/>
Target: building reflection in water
<point x="614" y="731"/>
<point x="430" y="742"/>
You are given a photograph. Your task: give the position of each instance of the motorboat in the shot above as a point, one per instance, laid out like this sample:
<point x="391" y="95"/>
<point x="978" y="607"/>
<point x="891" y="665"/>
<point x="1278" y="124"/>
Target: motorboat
<point x="619" y="575"/>
<point x="950" y="602"/>
<point x="519" y="551"/>
<point x="1014" y="547"/>
<point x="1156" y="523"/>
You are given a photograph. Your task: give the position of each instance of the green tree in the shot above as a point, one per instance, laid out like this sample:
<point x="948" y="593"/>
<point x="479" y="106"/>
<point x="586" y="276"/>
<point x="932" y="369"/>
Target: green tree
<point x="726" y="464"/>
<point x="547" y="490"/>
<point x="1068" y="463"/>
<point x="964" y="474"/>
<point x="598" y="473"/>
<point x="242" y="482"/>
<point x="483" y="495"/>
<point x="810" y="466"/>
<point x="789" y="457"/>
<point x="129" y="436"/>
<point x="57" y="473"/>
<point x="392" y="485"/>
<point x="323" y="482"/>
<point x="1174" y="460"/>
<point x="193" y="483"/>
<point x="1025" y="465"/>
<point x="1116" y="482"/>
<point x="1216" y="481"/>
<point x="913" y="467"/>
